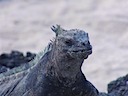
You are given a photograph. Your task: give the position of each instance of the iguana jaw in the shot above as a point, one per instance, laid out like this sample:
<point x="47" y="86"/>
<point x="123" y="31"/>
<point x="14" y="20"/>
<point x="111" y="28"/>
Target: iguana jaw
<point x="80" y="53"/>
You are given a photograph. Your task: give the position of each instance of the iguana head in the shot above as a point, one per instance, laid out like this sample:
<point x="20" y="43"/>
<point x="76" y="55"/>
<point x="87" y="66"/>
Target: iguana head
<point x="72" y="43"/>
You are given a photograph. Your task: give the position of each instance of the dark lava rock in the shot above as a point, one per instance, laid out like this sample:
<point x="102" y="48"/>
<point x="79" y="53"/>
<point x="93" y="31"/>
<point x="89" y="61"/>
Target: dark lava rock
<point x="30" y="56"/>
<point x="119" y="87"/>
<point x="14" y="59"/>
<point x="3" y="69"/>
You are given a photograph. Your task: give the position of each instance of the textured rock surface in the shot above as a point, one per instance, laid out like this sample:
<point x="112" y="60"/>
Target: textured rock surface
<point x="119" y="87"/>
<point x="14" y="59"/>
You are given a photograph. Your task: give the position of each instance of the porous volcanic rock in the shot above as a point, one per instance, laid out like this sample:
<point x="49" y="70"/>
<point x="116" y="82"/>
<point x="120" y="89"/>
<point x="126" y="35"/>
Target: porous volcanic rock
<point x="14" y="59"/>
<point x="119" y="87"/>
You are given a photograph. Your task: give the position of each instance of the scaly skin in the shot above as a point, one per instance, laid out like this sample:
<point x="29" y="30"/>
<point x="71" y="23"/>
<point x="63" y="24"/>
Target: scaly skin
<point x="58" y="72"/>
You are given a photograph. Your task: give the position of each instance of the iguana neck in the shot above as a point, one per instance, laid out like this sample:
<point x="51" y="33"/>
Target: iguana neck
<point x="63" y="67"/>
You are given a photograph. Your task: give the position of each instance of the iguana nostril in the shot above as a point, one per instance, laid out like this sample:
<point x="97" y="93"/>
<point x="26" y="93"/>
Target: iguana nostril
<point x="83" y="44"/>
<point x="89" y="47"/>
<point x="86" y="43"/>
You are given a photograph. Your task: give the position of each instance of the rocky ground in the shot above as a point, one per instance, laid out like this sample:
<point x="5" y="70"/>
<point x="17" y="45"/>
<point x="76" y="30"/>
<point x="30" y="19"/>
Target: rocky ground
<point x="14" y="59"/>
<point x="117" y="87"/>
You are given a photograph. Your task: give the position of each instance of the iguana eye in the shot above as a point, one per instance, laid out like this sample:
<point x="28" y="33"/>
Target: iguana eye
<point x="69" y="42"/>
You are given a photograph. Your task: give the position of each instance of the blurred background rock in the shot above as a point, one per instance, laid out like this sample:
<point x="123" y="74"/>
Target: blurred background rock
<point x="25" y="26"/>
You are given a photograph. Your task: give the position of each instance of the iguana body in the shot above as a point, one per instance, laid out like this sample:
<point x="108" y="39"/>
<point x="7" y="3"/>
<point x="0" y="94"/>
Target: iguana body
<point x="57" y="72"/>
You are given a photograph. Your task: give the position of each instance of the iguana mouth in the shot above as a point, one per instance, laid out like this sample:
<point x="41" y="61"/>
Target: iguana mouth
<point x="88" y="52"/>
<point x="80" y="53"/>
<point x="83" y="51"/>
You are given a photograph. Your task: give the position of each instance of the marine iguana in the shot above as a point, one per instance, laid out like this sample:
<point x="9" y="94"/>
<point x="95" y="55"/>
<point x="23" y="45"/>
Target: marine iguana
<point x="57" y="72"/>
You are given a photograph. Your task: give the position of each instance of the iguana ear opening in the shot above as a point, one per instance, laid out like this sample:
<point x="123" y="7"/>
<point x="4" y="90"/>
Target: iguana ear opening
<point x="57" y="29"/>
